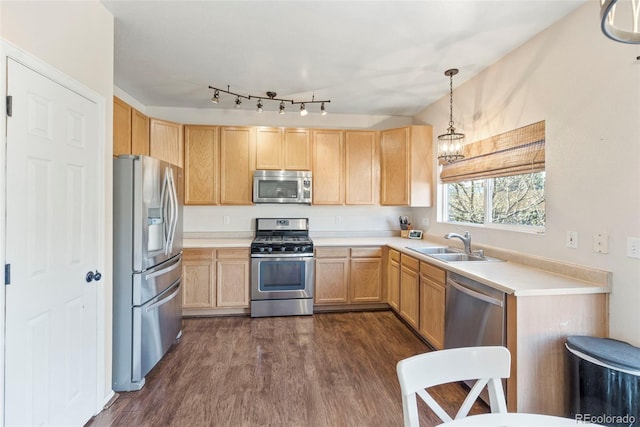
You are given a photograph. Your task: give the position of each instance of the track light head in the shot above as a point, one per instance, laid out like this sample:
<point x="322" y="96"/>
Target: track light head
<point x="281" y="108"/>
<point x="216" y="96"/>
<point x="323" y="111"/>
<point x="303" y="110"/>
<point x="238" y="102"/>
<point x="259" y="106"/>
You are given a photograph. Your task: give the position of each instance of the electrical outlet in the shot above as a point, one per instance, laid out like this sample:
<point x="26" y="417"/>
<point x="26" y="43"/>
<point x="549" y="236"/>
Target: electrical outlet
<point x="338" y="219"/>
<point x="572" y="239"/>
<point x="633" y="247"/>
<point x="225" y="220"/>
<point x="425" y="222"/>
<point x="600" y="243"/>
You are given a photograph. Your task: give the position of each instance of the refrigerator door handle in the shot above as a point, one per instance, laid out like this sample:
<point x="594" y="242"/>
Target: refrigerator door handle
<point x="164" y="203"/>
<point x="163" y="271"/>
<point x="173" y="222"/>
<point x="164" y="300"/>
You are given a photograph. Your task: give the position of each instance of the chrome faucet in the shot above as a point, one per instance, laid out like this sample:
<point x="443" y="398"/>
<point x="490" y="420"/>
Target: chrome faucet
<point x="466" y="239"/>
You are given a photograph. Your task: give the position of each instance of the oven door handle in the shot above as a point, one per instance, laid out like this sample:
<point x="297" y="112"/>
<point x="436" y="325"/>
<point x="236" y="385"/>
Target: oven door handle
<point x="288" y="257"/>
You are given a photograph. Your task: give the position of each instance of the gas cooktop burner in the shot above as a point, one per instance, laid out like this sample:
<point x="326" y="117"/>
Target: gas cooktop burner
<point x="277" y="236"/>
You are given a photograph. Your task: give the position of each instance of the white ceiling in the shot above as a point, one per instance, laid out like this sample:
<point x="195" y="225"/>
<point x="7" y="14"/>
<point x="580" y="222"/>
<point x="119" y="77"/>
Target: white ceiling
<point x="367" y="57"/>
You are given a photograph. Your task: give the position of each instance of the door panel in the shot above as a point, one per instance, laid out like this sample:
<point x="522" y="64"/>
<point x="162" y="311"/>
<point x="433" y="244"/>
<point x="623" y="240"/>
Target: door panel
<point x="52" y="199"/>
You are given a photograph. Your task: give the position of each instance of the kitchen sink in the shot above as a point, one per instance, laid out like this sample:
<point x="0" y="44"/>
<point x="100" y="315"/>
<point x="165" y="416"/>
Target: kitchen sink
<point x="451" y="257"/>
<point x="447" y="254"/>
<point x="430" y="250"/>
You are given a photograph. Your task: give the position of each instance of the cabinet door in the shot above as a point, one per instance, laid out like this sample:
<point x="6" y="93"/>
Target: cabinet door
<point x="328" y="167"/>
<point x="166" y="141"/>
<point x="198" y="278"/>
<point x="394" y="167"/>
<point x="121" y="127"/>
<point x="394" y="280"/>
<point x="269" y="148"/>
<point x="232" y="280"/>
<point x="297" y="149"/>
<point x="422" y="163"/>
<point x="432" y="303"/>
<point x="200" y="165"/>
<point x="409" y="290"/>
<point x="366" y="280"/>
<point x="237" y="163"/>
<point x="139" y="133"/>
<point x="361" y="167"/>
<point x="332" y="279"/>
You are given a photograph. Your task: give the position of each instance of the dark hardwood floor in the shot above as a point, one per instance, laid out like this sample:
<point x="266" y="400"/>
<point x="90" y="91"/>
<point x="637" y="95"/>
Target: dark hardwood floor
<point x="332" y="369"/>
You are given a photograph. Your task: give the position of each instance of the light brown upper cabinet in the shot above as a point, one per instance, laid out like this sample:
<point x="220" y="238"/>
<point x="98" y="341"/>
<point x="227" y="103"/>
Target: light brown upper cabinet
<point x="288" y="149"/>
<point x="237" y="163"/>
<point x="361" y="167"/>
<point x="139" y="133"/>
<point x="406" y="163"/>
<point x="166" y="141"/>
<point x="328" y="167"/>
<point x="121" y="127"/>
<point x="130" y="129"/>
<point x="201" y="166"/>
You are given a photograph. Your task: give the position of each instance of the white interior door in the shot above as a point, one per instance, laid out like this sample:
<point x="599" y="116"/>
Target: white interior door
<point x="51" y="244"/>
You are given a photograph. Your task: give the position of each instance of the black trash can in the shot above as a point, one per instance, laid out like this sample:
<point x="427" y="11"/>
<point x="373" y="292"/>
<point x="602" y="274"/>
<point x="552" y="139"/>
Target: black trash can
<point x="605" y="381"/>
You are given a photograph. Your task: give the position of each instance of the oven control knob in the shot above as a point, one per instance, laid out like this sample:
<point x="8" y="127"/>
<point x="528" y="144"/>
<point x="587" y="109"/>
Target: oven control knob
<point x="282" y="248"/>
<point x="295" y="249"/>
<point x="269" y="249"/>
<point x="261" y="249"/>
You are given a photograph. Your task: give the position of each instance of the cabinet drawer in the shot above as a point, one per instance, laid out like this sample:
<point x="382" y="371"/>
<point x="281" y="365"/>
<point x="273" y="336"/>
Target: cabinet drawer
<point x="409" y="262"/>
<point x="332" y="252"/>
<point x="198" y="254"/>
<point x="366" y="252"/>
<point x="233" y="253"/>
<point x="434" y="273"/>
<point x="394" y="255"/>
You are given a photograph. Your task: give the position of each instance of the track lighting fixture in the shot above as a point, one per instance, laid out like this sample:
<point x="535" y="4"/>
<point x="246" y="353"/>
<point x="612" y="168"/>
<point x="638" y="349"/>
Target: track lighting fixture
<point x="271" y="96"/>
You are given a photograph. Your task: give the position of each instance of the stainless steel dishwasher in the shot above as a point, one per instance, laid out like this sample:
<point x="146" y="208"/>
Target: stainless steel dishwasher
<point x="474" y="315"/>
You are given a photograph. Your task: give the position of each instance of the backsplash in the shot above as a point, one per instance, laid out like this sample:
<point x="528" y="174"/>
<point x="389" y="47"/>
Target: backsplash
<point x="323" y="220"/>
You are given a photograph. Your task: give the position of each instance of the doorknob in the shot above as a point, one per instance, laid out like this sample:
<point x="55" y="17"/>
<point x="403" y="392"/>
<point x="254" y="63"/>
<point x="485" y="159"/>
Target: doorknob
<point x="91" y="276"/>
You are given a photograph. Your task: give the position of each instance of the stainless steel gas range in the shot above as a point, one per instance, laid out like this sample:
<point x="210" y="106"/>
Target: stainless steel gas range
<point x="282" y="268"/>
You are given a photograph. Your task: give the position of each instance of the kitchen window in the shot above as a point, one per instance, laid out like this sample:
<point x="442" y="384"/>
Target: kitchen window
<point x="500" y="183"/>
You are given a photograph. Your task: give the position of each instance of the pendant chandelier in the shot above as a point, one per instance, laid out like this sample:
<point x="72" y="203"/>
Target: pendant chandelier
<point x="450" y="143"/>
<point x="270" y="96"/>
<point x="621" y="26"/>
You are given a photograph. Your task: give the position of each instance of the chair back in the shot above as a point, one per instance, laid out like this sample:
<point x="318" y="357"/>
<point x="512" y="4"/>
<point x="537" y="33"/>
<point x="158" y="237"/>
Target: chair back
<point x="487" y="365"/>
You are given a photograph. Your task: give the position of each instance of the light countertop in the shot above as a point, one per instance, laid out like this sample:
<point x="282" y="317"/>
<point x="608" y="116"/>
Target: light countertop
<point x="508" y="276"/>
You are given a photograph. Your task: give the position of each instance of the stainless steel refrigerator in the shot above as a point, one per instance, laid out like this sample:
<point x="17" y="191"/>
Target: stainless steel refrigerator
<point x="147" y="266"/>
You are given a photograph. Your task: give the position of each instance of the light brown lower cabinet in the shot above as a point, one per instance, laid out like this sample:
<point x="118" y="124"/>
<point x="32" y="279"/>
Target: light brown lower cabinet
<point x="215" y="278"/>
<point x="393" y="279"/>
<point x="409" y="289"/>
<point x="432" y="304"/>
<point x="348" y="275"/>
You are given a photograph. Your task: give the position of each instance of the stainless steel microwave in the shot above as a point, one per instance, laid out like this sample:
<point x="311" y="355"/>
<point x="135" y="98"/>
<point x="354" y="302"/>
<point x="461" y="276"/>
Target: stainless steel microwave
<point x="280" y="186"/>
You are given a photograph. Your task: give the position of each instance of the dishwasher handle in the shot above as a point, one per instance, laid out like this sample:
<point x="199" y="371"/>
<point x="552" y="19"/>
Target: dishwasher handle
<point x="474" y="294"/>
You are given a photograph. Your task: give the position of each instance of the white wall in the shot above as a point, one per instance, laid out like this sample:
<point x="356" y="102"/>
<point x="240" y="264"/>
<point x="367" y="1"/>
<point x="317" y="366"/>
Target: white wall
<point x="587" y="89"/>
<point x="76" y="37"/>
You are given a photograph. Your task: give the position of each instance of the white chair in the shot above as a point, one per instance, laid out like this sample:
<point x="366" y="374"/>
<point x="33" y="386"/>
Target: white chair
<point x="487" y="365"/>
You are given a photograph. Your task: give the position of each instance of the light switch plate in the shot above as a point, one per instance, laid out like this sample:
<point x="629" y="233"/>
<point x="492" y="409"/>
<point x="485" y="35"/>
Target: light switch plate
<point x="633" y="247"/>
<point x="572" y="239"/>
